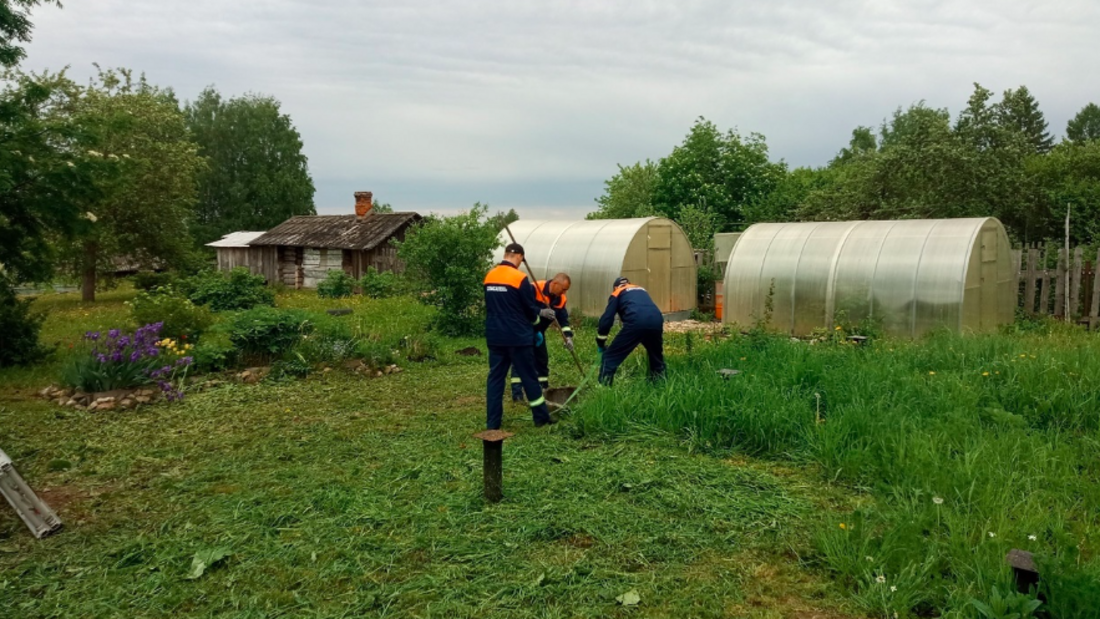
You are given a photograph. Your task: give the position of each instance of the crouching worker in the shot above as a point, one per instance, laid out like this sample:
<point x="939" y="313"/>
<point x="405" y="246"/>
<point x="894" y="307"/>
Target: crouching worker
<point x="511" y="316"/>
<point x="550" y="295"/>
<point x="642" y="324"/>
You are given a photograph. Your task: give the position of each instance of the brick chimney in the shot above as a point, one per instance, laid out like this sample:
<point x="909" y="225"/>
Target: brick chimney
<point x="363" y="203"/>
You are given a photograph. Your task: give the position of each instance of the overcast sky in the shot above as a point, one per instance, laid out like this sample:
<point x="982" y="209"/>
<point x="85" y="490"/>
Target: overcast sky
<point x="530" y="105"/>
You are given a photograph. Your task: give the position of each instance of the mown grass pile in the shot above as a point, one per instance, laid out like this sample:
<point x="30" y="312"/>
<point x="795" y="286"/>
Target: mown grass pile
<point x="968" y="447"/>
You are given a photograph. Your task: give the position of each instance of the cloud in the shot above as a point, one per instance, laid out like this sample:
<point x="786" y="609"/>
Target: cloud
<point x="535" y="102"/>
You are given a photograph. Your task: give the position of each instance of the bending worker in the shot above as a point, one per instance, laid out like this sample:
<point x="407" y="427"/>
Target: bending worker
<point x="549" y="295"/>
<point x="642" y="324"/>
<point x="511" y="316"/>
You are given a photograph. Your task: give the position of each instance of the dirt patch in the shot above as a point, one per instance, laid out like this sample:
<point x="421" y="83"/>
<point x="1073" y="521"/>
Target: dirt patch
<point x="580" y="540"/>
<point x="469" y="351"/>
<point x="693" y="326"/>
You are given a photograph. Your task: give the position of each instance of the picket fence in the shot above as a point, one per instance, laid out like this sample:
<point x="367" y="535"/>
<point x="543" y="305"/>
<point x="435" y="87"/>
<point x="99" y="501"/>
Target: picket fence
<point x="1074" y="280"/>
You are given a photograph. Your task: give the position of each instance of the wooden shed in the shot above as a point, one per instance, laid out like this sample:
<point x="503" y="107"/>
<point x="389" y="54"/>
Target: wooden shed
<point x="234" y="250"/>
<point x="308" y="247"/>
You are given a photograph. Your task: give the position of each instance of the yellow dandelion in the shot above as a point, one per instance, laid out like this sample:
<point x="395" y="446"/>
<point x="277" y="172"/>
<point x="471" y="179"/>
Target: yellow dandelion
<point x="985" y="373"/>
<point x="931" y="373"/>
<point x="837" y="328"/>
<point x="843" y="526"/>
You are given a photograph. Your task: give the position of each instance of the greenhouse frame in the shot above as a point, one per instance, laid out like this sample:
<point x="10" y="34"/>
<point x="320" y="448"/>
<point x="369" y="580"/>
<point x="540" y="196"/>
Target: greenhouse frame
<point x="653" y="252"/>
<point x="912" y="276"/>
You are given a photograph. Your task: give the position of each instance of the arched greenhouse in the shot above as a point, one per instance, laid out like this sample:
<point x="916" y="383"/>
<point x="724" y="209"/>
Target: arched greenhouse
<point x="652" y="252"/>
<point x="912" y="275"/>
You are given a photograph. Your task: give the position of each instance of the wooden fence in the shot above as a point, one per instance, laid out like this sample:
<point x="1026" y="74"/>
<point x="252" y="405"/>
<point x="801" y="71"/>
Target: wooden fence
<point x="1071" y="287"/>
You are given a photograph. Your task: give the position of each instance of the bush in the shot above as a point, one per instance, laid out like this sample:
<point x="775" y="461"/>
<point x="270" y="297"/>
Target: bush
<point x="268" y="332"/>
<point x="237" y="290"/>
<point x="150" y="280"/>
<point x="380" y="285"/>
<point x="181" y="318"/>
<point x="336" y="285"/>
<point x="450" y="256"/>
<point x="330" y="342"/>
<point x="19" y="329"/>
<point x="215" y="353"/>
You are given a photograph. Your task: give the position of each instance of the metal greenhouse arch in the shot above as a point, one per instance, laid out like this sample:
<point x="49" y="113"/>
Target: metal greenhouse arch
<point x="912" y="275"/>
<point x="653" y="252"/>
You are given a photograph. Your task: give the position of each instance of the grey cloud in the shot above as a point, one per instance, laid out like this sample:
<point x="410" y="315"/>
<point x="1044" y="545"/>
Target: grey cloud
<point x="534" y="102"/>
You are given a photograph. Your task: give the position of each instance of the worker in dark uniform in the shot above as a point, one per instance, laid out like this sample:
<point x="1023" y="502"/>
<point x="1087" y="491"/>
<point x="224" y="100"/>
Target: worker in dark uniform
<point x="642" y="324"/>
<point x="549" y="294"/>
<point x="511" y="316"/>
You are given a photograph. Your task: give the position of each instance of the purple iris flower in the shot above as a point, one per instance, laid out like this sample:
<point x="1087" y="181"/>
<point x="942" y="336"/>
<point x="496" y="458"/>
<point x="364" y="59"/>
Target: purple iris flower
<point x="113" y="333"/>
<point x="116" y="356"/>
<point x="134" y="356"/>
<point x="182" y="361"/>
<point x="124" y="341"/>
<point x="102" y="358"/>
<point x="92" y="335"/>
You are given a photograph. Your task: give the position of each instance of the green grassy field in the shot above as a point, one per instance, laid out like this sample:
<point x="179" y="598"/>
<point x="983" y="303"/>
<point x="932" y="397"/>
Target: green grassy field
<point x="343" y="496"/>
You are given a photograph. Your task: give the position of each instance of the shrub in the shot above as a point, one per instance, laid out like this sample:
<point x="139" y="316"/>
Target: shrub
<point x="116" y="360"/>
<point x="19" y="329"/>
<point x="215" y="353"/>
<point x="268" y="332"/>
<point x="330" y="342"/>
<point x="151" y="280"/>
<point x="336" y="285"/>
<point x="237" y="290"/>
<point x="450" y="256"/>
<point x="380" y="285"/>
<point x="181" y="318"/>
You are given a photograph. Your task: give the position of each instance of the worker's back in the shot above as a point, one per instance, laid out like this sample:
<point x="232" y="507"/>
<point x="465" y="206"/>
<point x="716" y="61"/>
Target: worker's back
<point x="636" y="308"/>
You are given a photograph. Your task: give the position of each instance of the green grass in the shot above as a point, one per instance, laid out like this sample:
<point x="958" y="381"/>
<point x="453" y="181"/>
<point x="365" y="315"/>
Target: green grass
<point x="969" y="446"/>
<point x="340" y="496"/>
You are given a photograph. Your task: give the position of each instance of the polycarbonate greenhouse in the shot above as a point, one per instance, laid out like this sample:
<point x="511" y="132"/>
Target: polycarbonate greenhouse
<point x="652" y="252"/>
<point x="912" y="275"/>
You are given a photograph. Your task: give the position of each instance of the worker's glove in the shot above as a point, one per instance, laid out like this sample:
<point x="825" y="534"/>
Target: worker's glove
<point x="569" y="344"/>
<point x="548" y="314"/>
<point x="539" y="339"/>
<point x="601" y="345"/>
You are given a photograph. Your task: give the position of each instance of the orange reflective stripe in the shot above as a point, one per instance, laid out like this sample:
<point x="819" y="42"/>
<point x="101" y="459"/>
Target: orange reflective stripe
<point x="622" y="288"/>
<point x="506" y="276"/>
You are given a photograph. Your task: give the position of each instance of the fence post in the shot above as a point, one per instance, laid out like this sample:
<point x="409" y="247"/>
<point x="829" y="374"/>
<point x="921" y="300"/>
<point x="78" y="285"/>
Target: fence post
<point x="1044" y="292"/>
<point x="1075" y="285"/>
<point x="1029" y="281"/>
<point x="1059" y="287"/>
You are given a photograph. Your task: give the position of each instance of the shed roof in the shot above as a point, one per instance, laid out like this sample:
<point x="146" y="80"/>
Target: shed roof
<point x="337" y="231"/>
<point x="236" y="239"/>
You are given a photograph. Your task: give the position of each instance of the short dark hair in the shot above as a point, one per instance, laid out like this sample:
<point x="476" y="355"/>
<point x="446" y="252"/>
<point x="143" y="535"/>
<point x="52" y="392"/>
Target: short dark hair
<point x="514" y="248"/>
<point x="619" y="281"/>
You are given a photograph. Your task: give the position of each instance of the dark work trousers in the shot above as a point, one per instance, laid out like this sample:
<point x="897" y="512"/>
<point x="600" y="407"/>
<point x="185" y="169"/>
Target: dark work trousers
<point x="522" y="358"/>
<point x="542" y="367"/>
<point x="625" y="343"/>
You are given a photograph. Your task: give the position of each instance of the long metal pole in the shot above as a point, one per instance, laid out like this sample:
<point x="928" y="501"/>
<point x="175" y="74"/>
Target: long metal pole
<point x="576" y="359"/>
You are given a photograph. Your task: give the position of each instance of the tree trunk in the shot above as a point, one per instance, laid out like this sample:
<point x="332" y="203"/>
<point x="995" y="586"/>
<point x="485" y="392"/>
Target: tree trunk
<point x="88" y="287"/>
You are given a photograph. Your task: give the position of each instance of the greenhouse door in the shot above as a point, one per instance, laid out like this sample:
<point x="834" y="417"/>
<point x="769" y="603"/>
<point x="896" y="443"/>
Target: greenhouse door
<point x="659" y="264"/>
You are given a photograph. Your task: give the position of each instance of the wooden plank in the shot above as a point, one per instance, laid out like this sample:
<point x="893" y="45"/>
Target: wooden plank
<point x="1029" y="280"/>
<point x="1060" y="284"/>
<point x="1044" y="291"/>
<point x="1017" y="256"/>
<point x="1075" y="284"/>
<point x="1095" y="313"/>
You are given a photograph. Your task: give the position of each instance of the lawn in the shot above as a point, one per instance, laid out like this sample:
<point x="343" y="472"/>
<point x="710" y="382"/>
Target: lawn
<point x="338" y="495"/>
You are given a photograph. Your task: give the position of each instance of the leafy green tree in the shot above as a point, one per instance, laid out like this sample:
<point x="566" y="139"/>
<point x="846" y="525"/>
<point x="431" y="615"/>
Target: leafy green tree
<point x="792" y="191"/>
<point x="628" y="194"/>
<point x="142" y="218"/>
<point x="1068" y="177"/>
<point x="1020" y="111"/>
<point x="1085" y="126"/>
<point x="449" y="257"/>
<point x="863" y="141"/>
<point x="15" y="28"/>
<point x="720" y="172"/>
<point x="50" y="173"/>
<point x="382" y="207"/>
<point x="925" y="168"/>
<point x="257" y="176"/>
<point x="502" y="219"/>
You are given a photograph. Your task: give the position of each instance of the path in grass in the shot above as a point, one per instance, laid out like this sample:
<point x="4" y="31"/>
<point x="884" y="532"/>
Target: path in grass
<point x="341" y="496"/>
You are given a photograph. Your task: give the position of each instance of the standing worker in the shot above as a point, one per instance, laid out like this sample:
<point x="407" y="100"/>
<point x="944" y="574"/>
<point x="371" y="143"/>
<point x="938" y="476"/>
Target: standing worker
<point x="549" y="295"/>
<point x="642" y="324"/>
<point x="511" y="316"/>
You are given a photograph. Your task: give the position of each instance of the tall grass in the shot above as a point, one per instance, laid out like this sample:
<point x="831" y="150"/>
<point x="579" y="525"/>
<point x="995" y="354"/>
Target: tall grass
<point x="969" y="446"/>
